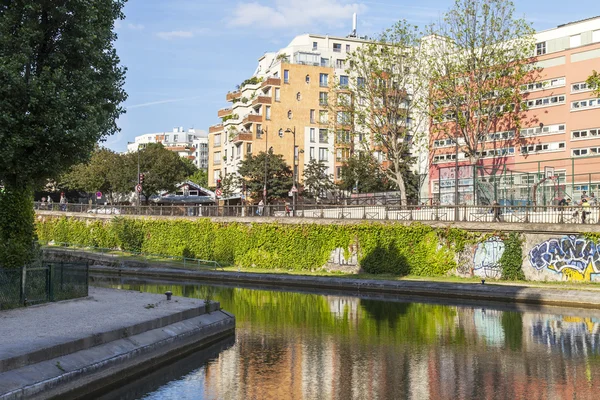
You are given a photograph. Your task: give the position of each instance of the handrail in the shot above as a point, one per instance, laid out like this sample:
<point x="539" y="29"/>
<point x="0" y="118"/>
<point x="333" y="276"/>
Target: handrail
<point x="102" y="250"/>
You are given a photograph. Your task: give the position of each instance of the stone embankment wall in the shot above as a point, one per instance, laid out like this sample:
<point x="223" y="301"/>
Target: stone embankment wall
<point x="547" y="252"/>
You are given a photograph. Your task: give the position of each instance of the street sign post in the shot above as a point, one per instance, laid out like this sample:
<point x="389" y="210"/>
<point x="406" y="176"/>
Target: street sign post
<point x="219" y="192"/>
<point x="138" y="188"/>
<point x="98" y="195"/>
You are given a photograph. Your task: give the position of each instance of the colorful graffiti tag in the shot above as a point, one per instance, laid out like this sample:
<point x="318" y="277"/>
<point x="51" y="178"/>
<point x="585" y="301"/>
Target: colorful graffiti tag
<point x="487" y="257"/>
<point x="573" y="257"/>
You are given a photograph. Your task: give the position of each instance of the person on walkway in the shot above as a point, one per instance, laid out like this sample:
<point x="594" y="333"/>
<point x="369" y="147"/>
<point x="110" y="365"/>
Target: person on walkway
<point x="497" y="211"/>
<point x="585" y="210"/>
<point x="63" y="202"/>
<point x="261" y="206"/>
<point x="287" y="210"/>
<point x="50" y="202"/>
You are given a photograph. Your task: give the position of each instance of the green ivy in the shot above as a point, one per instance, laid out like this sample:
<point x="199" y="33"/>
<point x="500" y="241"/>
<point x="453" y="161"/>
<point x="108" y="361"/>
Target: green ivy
<point x="512" y="258"/>
<point x="382" y="248"/>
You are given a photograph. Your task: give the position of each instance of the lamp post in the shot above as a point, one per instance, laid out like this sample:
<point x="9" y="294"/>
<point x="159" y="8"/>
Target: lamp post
<point x="294" y="188"/>
<point x="138" y="177"/>
<point x="456" y="217"/>
<point x="266" y="158"/>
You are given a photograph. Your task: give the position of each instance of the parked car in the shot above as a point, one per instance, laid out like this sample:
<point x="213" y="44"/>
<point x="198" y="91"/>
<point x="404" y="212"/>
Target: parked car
<point x="107" y="210"/>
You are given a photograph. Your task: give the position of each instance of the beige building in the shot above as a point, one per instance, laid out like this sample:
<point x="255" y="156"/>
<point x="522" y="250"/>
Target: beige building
<point x="289" y="91"/>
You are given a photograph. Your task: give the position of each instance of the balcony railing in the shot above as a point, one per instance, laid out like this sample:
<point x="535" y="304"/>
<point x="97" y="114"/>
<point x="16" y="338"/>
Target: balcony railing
<point x="215" y="128"/>
<point x="262" y="100"/>
<point x="224" y="112"/>
<point x="271" y="81"/>
<point x="233" y="95"/>
<point x="242" y="137"/>
<point x="252" y="118"/>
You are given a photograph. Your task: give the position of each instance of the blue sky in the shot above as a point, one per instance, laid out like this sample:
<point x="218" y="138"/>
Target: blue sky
<point x="184" y="55"/>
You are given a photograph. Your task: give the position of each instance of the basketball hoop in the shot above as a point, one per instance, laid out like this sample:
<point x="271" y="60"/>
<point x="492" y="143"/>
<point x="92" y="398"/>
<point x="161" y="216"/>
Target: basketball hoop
<point x="549" y="172"/>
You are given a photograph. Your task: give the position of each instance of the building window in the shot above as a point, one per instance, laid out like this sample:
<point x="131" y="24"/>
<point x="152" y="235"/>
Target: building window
<point x="277" y="94"/>
<point x="312" y="153"/>
<point x="280" y="133"/>
<point x="267" y="113"/>
<point x="248" y="148"/>
<point x="545" y="130"/>
<point x="542" y="148"/>
<point x="166" y="138"/>
<point x="286" y="76"/>
<point x="217" y="141"/>
<point x="575" y="41"/>
<point x="340" y="63"/>
<point x="343" y="136"/>
<point x="540" y="48"/>
<point x="315" y="46"/>
<point x="544" y="102"/>
<point x="342" y="155"/>
<point x="323" y="136"/>
<point x="175" y="137"/>
<point x="323" y="98"/>
<point x="324" y="62"/>
<point x="323" y="80"/>
<point x="312" y="116"/>
<point x="312" y="135"/>
<point x="307" y="78"/>
<point x="596" y="36"/>
<point x="337" y="47"/>
<point x="586" y="134"/>
<point x="344" y="81"/>
<point x="217" y="158"/>
<point x="259" y="131"/>
<point x="542" y="85"/>
<point x="585" y="104"/>
<point x="343" y="117"/>
<point x="338" y="172"/>
<point x="360" y="82"/>
<point x="298" y="96"/>
<point x="579" y="87"/>
<point x="347" y="48"/>
<point x="322" y="153"/>
<point x="289" y="114"/>
<point x="323" y="117"/>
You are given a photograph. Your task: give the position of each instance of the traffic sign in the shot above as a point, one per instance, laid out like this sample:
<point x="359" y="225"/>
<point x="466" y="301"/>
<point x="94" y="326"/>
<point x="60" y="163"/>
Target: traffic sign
<point x="138" y="188"/>
<point x="98" y="195"/>
<point x="219" y="192"/>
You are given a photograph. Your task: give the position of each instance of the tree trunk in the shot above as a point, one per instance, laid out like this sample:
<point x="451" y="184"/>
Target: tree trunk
<point x="17" y="232"/>
<point x="401" y="188"/>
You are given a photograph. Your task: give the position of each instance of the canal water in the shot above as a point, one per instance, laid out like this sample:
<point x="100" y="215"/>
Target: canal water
<point x="309" y="345"/>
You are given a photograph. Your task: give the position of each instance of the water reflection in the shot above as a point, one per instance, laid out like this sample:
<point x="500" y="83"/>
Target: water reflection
<point x="292" y="345"/>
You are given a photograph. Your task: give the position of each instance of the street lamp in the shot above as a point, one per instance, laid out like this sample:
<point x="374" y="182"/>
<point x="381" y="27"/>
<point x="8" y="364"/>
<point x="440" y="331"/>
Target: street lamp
<point x="266" y="158"/>
<point x="294" y="188"/>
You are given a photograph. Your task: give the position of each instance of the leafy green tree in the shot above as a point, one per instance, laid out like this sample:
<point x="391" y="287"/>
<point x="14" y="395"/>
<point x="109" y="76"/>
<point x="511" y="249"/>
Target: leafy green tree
<point x="479" y="59"/>
<point x="199" y="177"/>
<point x="189" y="167"/>
<point x="593" y="82"/>
<point x="106" y="172"/>
<point x="278" y="174"/>
<point x="362" y="174"/>
<point x="229" y="185"/>
<point x="61" y="85"/>
<point x="316" y="180"/>
<point x="162" y="169"/>
<point x="383" y="105"/>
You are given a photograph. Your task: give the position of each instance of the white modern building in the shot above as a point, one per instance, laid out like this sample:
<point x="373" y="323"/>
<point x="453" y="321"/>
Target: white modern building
<point x="191" y="144"/>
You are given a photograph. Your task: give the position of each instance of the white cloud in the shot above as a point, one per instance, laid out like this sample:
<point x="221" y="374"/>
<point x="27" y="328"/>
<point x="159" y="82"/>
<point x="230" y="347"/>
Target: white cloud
<point x="135" y="27"/>
<point x="175" y="35"/>
<point x="294" y="13"/>
<point x="154" y="103"/>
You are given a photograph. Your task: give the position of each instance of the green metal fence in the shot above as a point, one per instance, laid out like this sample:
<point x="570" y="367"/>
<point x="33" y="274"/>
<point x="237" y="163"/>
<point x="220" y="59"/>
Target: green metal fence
<point x="43" y="283"/>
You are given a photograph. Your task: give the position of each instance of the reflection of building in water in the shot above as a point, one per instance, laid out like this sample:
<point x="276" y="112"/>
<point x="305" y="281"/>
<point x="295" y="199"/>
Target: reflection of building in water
<point x="572" y="336"/>
<point x="488" y="325"/>
<point x="344" y="307"/>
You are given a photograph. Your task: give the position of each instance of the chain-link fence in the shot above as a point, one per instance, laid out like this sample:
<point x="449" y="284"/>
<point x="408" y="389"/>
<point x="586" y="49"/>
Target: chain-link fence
<point x="40" y="284"/>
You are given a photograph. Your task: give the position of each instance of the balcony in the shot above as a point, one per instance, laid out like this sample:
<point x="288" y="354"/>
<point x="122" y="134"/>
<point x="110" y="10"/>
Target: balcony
<point x="271" y="81"/>
<point x="224" y="112"/>
<point x="215" y="128"/>
<point x="233" y="95"/>
<point x="242" y="137"/>
<point x="252" y="118"/>
<point x="262" y="100"/>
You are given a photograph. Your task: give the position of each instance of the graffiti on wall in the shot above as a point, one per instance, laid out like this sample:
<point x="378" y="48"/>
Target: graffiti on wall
<point x="575" y="258"/>
<point x="486" y="261"/>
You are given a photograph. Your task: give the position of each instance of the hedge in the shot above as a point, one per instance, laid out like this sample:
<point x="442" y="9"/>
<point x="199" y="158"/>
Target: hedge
<point x="382" y="248"/>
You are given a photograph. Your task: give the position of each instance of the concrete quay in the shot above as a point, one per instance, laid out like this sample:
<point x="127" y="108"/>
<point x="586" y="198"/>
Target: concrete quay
<point x="79" y="348"/>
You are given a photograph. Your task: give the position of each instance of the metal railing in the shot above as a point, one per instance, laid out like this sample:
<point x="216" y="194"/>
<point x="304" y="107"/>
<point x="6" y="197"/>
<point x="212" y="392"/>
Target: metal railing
<point x="484" y="214"/>
<point x="47" y="282"/>
<point x="188" y="262"/>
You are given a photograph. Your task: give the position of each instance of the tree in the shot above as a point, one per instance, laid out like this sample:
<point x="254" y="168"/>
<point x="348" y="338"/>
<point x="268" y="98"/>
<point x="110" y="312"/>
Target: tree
<point x="162" y="169"/>
<point x="106" y="172"/>
<point x="229" y="184"/>
<point x="381" y="105"/>
<point x="479" y="61"/>
<point x="593" y="82"/>
<point x="362" y="174"/>
<point x="61" y="85"/>
<point x="316" y="180"/>
<point x="189" y="167"/>
<point x="278" y="174"/>
<point x="199" y="177"/>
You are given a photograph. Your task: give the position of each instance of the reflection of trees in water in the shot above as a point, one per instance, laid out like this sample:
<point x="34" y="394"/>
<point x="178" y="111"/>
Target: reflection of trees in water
<point x="315" y="346"/>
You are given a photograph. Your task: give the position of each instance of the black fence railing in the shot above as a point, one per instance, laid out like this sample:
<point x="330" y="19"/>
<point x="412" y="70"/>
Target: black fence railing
<point x="483" y="214"/>
<point x="49" y="282"/>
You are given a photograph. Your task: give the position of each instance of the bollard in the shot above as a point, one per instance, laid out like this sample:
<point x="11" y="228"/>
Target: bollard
<point x="168" y="293"/>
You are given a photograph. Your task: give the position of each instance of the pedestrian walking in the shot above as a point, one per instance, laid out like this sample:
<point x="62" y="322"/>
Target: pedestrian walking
<point x="261" y="206"/>
<point x="497" y="211"/>
<point x="63" y="202"/>
<point x="585" y="210"/>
